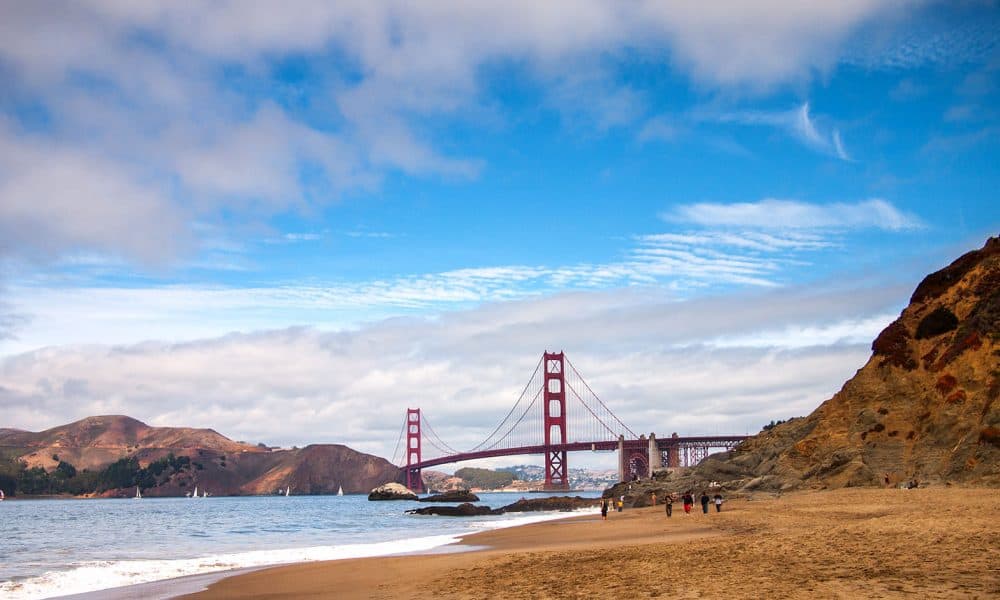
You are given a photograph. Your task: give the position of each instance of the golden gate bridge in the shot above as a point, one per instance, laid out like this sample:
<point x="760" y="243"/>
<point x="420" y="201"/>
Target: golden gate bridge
<point x="556" y="413"/>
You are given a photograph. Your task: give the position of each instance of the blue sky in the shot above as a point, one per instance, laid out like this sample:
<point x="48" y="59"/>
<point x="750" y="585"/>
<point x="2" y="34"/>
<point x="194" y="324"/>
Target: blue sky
<point x="251" y="200"/>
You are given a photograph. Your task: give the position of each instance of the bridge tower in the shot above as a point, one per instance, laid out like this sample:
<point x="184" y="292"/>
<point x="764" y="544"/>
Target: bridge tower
<point x="414" y="481"/>
<point x="554" y="394"/>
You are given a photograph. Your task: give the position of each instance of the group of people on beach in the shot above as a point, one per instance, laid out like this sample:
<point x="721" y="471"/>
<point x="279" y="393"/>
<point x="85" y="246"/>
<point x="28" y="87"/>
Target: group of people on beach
<point x="668" y="502"/>
<point x="688" y="499"/>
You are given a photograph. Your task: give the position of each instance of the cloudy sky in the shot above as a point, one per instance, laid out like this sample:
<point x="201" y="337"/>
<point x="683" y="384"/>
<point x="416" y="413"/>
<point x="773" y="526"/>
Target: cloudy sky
<point x="291" y="221"/>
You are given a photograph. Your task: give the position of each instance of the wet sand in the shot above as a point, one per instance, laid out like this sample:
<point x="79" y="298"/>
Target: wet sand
<point x="934" y="543"/>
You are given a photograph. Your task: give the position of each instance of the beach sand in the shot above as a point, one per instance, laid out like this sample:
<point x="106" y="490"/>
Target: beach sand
<point x="852" y="543"/>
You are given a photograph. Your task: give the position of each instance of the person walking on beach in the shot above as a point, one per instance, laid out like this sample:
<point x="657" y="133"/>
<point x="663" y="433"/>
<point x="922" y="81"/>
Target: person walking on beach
<point x="621" y="503"/>
<point x="668" y="501"/>
<point x="718" y="503"/>
<point x="704" y="502"/>
<point x="688" y="502"/>
<point x="604" y="509"/>
<point x="653" y="494"/>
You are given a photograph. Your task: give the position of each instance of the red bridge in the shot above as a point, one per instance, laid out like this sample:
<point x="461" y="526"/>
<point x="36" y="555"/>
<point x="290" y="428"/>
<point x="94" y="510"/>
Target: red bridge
<point x="557" y="413"/>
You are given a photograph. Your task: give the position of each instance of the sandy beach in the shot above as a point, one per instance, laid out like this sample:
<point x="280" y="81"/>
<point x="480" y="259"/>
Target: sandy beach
<point x="851" y="543"/>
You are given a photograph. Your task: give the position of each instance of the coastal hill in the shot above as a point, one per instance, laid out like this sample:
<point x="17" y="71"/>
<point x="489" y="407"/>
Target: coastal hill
<point x="107" y="455"/>
<point x="923" y="408"/>
<point x="96" y="441"/>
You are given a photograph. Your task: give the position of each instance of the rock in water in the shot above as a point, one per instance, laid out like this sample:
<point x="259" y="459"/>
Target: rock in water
<point x="462" y="510"/>
<point x="391" y="491"/>
<point x="456" y="496"/>
<point x="554" y="503"/>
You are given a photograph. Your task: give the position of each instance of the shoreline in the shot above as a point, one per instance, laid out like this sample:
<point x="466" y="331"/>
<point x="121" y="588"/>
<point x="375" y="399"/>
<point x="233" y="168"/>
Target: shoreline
<point x="361" y="576"/>
<point x="936" y="542"/>
<point x="433" y="544"/>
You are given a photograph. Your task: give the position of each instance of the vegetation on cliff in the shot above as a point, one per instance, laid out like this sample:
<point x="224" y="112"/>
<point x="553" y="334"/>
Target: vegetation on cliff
<point x="485" y="479"/>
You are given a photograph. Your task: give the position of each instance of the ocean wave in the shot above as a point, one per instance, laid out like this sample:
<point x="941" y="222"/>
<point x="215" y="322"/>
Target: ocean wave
<point x="95" y="576"/>
<point x="102" y="575"/>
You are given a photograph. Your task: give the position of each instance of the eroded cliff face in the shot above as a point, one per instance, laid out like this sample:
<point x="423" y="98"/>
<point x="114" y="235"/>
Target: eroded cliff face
<point x="924" y="406"/>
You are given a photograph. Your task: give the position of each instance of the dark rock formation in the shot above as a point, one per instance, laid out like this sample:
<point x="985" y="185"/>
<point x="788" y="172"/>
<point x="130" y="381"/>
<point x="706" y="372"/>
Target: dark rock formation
<point x="562" y="503"/>
<point x="462" y="510"/>
<point x="391" y="491"/>
<point x="455" y="496"/>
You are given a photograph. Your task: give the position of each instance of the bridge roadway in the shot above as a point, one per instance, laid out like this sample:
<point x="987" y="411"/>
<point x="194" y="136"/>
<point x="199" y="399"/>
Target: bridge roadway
<point x="664" y="445"/>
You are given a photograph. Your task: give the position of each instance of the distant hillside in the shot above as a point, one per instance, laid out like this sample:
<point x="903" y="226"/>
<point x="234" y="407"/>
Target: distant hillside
<point x="924" y="406"/>
<point x="108" y="455"/>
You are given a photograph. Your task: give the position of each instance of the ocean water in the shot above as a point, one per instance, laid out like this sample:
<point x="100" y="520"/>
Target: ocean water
<point x="50" y="548"/>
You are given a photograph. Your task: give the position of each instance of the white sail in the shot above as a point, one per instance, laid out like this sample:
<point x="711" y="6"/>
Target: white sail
<point x="288" y="491"/>
<point x="138" y="494"/>
<point x="195" y="494"/>
<point x="340" y="490"/>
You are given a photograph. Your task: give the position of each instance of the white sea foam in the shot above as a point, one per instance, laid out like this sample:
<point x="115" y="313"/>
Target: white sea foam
<point x="528" y="519"/>
<point x="101" y="575"/>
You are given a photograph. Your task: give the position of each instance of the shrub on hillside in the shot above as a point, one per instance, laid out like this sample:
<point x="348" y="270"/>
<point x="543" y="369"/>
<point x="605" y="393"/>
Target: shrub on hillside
<point x="939" y="321"/>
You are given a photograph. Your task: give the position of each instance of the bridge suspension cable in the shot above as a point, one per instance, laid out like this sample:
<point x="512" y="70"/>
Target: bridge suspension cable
<point x="435" y="440"/>
<point x="588" y="419"/>
<point x="397" y="458"/>
<point x="533" y="389"/>
<point x="602" y="415"/>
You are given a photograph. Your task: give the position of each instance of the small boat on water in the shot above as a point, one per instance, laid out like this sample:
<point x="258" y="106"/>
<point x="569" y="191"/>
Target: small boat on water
<point x="195" y="494"/>
<point x="1" y="495"/>
<point x="288" y="491"/>
<point x="340" y="490"/>
<point x="138" y="494"/>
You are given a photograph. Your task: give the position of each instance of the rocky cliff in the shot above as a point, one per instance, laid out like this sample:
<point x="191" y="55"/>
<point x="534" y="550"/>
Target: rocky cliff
<point x="924" y="407"/>
<point x="216" y="464"/>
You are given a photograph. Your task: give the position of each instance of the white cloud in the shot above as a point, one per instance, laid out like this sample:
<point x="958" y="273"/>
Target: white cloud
<point x="55" y="199"/>
<point x="136" y="88"/>
<point x="649" y="359"/>
<point x="772" y="214"/>
<point x="797" y="123"/>
<point x="658" y="129"/>
<point x="681" y="263"/>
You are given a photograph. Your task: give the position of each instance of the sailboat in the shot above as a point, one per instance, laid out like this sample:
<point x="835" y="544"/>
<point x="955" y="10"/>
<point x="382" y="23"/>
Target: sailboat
<point x="138" y="494"/>
<point x="195" y="494"/>
<point x="340" y="490"/>
<point x="288" y="491"/>
<point x="1" y="495"/>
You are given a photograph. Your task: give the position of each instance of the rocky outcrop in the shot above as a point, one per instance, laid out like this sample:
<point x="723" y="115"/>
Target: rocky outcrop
<point x="924" y="407"/>
<point x="462" y="510"/>
<point x="456" y="496"/>
<point x="392" y="491"/>
<point x="561" y="503"/>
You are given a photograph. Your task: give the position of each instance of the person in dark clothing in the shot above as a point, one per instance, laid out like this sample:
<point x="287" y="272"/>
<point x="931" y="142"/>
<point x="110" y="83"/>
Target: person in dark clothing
<point x="704" y="502"/>
<point x="604" y="509"/>
<point x="688" y="502"/>
<point x="668" y="501"/>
